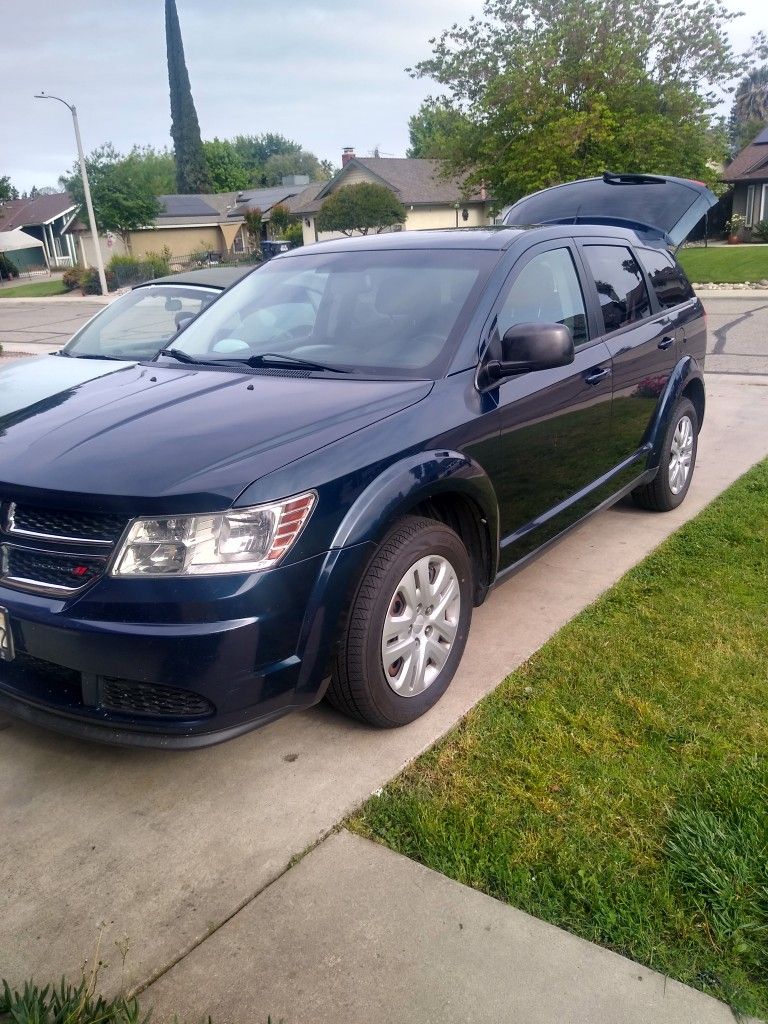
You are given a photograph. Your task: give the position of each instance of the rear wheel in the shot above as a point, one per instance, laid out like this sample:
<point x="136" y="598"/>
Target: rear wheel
<point x="408" y="626"/>
<point x="669" y="487"/>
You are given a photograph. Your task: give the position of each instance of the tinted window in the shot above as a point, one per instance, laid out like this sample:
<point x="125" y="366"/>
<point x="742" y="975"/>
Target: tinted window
<point x="667" y="278"/>
<point x="620" y="284"/>
<point x="546" y="289"/>
<point x="382" y="313"/>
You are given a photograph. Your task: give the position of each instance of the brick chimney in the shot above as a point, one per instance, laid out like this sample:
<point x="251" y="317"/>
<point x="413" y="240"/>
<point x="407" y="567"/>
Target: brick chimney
<point x="347" y="154"/>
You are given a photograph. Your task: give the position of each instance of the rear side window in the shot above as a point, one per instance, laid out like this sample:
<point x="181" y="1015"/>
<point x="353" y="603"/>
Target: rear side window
<point x="667" y="278"/>
<point x="547" y="289"/>
<point x="620" y="284"/>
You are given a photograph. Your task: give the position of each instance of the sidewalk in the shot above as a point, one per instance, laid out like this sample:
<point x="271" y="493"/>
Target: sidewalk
<point x="355" y="933"/>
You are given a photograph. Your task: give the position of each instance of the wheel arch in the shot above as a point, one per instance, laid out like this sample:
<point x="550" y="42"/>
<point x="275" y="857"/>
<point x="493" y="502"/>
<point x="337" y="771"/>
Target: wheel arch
<point x="443" y="485"/>
<point x="686" y="381"/>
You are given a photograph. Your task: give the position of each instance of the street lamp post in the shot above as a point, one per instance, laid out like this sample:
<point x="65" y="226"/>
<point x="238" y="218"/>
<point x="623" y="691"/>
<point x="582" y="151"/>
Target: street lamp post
<point x="86" y="188"/>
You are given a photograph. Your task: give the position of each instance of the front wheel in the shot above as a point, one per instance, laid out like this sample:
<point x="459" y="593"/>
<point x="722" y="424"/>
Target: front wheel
<point x="408" y="626"/>
<point x="669" y="487"/>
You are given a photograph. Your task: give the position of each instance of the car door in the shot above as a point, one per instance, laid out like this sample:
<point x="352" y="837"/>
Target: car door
<point x="642" y="340"/>
<point x="554" y="436"/>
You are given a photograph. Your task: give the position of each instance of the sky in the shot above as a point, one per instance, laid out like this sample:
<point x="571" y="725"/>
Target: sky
<point x="327" y="74"/>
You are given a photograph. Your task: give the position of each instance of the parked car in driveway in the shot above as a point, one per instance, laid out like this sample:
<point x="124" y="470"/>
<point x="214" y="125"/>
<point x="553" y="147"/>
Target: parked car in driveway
<point x="315" y="483"/>
<point x="140" y="323"/>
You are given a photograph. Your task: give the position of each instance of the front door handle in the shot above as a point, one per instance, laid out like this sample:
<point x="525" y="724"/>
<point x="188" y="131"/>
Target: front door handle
<point x="666" y="342"/>
<point x="595" y="376"/>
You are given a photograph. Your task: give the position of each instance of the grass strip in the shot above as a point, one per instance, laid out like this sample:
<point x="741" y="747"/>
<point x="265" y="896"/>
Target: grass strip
<point x="725" y="264"/>
<point x="37" y="289"/>
<point x="616" y="785"/>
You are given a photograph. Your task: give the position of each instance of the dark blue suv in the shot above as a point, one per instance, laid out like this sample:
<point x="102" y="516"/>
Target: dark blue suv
<point x="308" y="491"/>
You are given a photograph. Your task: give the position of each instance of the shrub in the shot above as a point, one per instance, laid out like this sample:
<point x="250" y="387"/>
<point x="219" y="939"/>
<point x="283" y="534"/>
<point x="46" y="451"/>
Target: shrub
<point x="90" y="284"/>
<point x="8" y="268"/>
<point x="159" y="263"/>
<point x="73" y="277"/>
<point x="294" y="235"/>
<point x="761" y="230"/>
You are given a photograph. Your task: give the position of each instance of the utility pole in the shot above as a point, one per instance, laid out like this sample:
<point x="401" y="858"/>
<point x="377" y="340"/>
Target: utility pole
<point x="86" y="188"/>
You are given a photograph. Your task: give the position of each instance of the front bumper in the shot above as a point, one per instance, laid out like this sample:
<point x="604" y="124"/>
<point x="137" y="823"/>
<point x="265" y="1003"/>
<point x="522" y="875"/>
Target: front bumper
<point x="178" y="663"/>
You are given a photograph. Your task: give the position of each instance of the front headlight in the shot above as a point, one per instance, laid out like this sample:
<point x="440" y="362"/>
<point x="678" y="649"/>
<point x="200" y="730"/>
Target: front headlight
<point x="242" y="540"/>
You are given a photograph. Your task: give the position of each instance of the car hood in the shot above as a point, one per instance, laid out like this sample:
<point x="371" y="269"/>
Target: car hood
<point x="168" y="439"/>
<point x="670" y="207"/>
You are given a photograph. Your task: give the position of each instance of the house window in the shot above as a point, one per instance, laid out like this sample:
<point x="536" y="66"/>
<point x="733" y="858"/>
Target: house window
<point x="749" y="212"/>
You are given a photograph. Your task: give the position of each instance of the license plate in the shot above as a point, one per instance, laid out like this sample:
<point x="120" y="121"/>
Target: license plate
<point x="6" y="640"/>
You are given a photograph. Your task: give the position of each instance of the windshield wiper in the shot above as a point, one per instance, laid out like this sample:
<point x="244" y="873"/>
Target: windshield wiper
<point x="277" y="359"/>
<point x="95" y="355"/>
<point x="176" y="353"/>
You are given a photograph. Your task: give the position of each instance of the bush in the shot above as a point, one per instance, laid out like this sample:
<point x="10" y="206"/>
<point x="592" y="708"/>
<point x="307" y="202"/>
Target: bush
<point x="294" y="235"/>
<point x="73" y="277"/>
<point x="761" y="230"/>
<point x="8" y="268"/>
<point x="90" y="284"/>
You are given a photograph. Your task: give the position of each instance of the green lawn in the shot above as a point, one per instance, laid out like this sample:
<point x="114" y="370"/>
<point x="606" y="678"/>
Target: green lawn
<point x="617" y="784"/>
<point x="35" y="289"/>
<point x="726" y="264"/>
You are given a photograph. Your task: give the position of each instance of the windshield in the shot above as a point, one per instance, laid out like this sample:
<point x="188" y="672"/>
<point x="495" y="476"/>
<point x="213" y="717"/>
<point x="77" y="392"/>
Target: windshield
<point x="139" y="324"/>
<point x="393" y="313"/>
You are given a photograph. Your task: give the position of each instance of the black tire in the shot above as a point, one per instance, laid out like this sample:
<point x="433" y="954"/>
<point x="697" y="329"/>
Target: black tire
<point x="359" y="685"/>
<point x="658" y="496"/>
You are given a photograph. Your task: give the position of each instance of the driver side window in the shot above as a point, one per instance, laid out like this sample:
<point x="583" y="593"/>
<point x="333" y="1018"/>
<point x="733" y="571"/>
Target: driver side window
<point x="547" y="289"/>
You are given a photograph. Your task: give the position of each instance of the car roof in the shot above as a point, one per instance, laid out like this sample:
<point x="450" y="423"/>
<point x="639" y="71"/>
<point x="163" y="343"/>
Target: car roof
<point x="432" y="238"/>
<point x="209" y="277"/>
<point x="495" y="238"/>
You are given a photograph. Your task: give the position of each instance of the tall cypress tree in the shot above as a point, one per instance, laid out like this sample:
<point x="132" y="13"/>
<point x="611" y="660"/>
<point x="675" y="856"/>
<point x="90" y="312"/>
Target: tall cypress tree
<point x="191" y="168"/>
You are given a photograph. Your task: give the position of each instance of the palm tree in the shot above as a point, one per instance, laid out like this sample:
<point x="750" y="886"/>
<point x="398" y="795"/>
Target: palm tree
<point x="749" y="112"/>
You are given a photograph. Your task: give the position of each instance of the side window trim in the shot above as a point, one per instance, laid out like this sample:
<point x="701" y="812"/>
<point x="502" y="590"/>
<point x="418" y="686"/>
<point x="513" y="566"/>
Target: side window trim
<point x="490" y="330"/>
<point x="582" y="242"/>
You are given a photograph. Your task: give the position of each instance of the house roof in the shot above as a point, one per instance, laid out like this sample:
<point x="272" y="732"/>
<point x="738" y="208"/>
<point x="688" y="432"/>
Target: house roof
<point x="415" y="182"/>
<point x="751" y="164"/>
<point x="182" y="210"/>
<point x="265" y="198"/>
<point x="22" y="213"/>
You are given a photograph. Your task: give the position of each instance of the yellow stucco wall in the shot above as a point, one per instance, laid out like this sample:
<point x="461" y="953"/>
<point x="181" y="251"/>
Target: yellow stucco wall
<point x="181" y="241"/>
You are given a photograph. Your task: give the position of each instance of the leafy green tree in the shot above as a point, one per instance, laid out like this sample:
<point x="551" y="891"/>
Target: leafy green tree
<point x="122" y="199"/>
<point x="7" y="190"/>
<point x="433" y="130"/>
<point x="558" y="89"/>
<point x="297" y="162"/>
<point x="191" y="167"/>
<point x="360" y="208"/>
<point x="226" y="169"/>
<point x="155" y="168"/>
<point x="749" y="112"/>
<point x="270" y="156"/>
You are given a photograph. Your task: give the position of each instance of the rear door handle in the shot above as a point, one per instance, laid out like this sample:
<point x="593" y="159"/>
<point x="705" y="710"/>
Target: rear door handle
<point x="666" y="342"/>
<point x="595" y="376"/>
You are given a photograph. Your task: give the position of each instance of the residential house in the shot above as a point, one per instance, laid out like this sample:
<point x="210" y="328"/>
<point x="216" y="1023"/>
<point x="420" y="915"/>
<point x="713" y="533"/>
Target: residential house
<point x="748" y="173"/>
<point x="189" y="224"/>
<point x="47" y="218"/>
<point x="431" y="200"/>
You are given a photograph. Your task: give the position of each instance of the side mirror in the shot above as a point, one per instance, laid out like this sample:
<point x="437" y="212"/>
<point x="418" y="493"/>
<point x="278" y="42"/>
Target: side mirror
<point x="528" y="347"/>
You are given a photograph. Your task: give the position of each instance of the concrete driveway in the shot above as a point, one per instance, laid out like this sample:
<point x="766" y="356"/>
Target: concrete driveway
<point x="160" y="850"/>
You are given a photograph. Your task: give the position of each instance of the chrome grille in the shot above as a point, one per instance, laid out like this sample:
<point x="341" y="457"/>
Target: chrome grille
<point x="100" y="528"/>
<point x="56" y="552"/>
